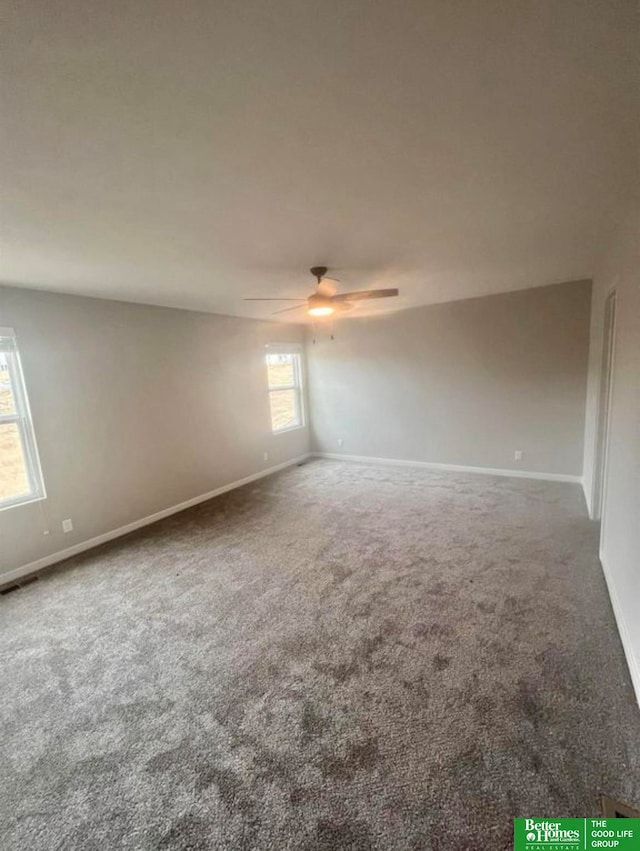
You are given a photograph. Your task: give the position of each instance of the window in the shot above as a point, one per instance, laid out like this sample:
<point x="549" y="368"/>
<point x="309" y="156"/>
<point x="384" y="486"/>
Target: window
<point x="284" y="371"/>
<point x="20" y="477"/>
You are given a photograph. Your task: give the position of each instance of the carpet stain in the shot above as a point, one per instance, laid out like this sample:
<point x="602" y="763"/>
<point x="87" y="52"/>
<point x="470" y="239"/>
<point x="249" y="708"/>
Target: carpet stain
<point x="312" y="722"/>
<point x="440" y="663"/>
<point x="360" y="756"/>
<point x="300" y="795"/>
<point x="187" y="832"/>
<point x="341" y="672"/>
<point x="227" y="783"/>
<point x="341" y="836"/>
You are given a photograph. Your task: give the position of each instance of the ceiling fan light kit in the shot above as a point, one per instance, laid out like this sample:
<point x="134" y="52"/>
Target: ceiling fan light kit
<point x="325" y="301"/>
<point x="321" y="310"/>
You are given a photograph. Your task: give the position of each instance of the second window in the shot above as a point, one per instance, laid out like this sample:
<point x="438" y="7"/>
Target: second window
<point x="284" y="371"/>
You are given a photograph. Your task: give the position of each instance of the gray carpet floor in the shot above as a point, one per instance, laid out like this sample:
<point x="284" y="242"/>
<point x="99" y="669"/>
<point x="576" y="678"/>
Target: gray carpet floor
<point x="336" y="657"/>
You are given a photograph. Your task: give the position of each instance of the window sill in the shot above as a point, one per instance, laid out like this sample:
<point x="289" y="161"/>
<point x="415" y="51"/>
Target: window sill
<point x="27" y="500"/>
<point x="288" y="429"/>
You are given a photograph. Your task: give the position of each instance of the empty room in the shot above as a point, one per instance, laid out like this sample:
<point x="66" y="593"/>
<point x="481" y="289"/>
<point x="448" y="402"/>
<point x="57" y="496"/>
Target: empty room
<point x="319" y="444"/>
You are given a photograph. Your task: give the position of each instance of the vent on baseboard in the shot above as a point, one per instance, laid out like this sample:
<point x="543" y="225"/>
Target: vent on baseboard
<point x="15" y="586"/>
<point x="614" y="809"/>
<point x="9" y="588"/>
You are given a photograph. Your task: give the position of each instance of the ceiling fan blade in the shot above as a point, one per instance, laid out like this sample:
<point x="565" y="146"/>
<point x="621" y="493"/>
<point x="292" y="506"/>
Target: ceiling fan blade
<point x="287" y="309"/>
<point x="274" y="299"/>
<point x="364" y="294"/>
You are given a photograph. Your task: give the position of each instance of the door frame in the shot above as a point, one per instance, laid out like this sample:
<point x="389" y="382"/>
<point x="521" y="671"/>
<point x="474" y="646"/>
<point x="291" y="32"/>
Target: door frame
<point x="603" y="423"/>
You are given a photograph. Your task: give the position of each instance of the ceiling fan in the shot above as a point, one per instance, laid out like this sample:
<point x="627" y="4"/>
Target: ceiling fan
<point x="325" y="300"/>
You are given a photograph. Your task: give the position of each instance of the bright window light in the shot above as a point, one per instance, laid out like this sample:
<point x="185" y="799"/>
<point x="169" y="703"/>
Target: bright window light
<point x="20" y="476"/>
<point x="284" y="373"/>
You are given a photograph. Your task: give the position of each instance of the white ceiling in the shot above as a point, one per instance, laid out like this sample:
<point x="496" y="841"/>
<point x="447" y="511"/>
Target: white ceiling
<point x="192" y="153"/>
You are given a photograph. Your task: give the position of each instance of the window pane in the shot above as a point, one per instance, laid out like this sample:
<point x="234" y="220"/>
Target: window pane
<point x="281" y="370"/>
<point x="7" y="402"/>
<point x="283" y="409"/>
<point x="13" y="471"/>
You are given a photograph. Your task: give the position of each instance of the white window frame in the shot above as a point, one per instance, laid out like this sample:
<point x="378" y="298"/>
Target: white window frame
<point x="298" y="383"/>
<point x="22" y="419"/>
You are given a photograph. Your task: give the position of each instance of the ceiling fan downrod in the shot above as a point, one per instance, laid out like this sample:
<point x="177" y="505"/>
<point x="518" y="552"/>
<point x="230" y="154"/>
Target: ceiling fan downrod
<point x="319" y="272"/>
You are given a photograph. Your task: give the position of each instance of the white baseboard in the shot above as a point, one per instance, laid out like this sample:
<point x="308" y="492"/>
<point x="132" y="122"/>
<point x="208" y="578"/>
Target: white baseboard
<point x="46" y="561"/>
<point x="632" y="660"/>
<point x="456" y="468"/>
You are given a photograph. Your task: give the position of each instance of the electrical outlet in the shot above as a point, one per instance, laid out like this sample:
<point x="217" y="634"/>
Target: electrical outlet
<point x="518" y="454"/>
<point x="340" y="442"/>
<point x="67" y="526"/>
<point x="266" y="456"/>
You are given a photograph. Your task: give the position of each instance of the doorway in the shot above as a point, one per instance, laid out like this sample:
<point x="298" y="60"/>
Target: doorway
<point x="604" y="406"/>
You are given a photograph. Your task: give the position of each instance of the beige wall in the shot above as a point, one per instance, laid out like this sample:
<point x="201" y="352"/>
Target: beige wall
<point x="620" y="533"/>
<point x="135" y="409"/>
<point x="467" y="382"/>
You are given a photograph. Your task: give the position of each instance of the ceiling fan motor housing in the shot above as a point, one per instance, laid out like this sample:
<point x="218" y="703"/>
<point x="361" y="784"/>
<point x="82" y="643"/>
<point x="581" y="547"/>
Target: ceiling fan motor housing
<point x="318" y="300"/>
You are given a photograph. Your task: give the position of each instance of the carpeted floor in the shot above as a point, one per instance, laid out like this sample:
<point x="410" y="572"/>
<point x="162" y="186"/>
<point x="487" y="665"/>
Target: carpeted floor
<point x="337" y="657"/>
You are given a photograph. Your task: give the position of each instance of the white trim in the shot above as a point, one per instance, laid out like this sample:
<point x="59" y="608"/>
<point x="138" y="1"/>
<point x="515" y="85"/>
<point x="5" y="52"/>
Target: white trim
<point x="633" y="662"/>
<point x="26" y="499"/>
<point x="601" y="509"/>
<point x="587" y="498"/>
<point x="23" y="420"/>
<point x="288" y="429"/>
<point x="283" y="348"/>
<point x="297" y="386"/>
<point x="600" y="454"/>
<point x="457" y="468"/>
<point x="45" y="561"/>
